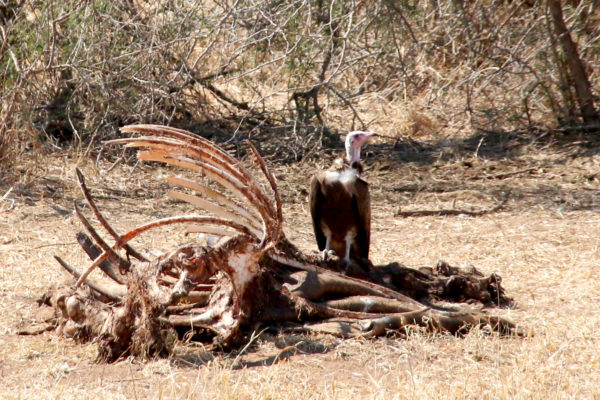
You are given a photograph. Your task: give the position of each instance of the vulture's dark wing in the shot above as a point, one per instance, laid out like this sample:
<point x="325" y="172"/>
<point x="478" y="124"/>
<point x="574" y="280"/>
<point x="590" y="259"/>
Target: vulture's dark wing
<point x="362" y="204"/>
<point x="316" y="199"/>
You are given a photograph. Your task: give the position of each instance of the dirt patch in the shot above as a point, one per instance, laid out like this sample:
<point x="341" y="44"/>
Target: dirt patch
<point x="543" y="242"/>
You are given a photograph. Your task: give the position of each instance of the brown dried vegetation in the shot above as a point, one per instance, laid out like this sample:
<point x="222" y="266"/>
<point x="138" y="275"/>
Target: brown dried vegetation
<point x="78" y="70"/>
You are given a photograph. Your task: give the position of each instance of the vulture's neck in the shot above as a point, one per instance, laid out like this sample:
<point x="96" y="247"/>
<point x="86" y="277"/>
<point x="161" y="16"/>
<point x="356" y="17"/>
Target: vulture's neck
<point x="353" y="158"/>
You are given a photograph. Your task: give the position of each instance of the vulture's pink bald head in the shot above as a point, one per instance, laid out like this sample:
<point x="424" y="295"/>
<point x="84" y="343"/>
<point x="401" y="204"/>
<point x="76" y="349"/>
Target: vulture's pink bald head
<point x="354" y="140"/>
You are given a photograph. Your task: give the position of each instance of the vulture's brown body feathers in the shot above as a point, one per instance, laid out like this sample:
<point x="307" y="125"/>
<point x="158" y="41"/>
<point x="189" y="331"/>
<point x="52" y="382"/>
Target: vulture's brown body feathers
<point x="339" y="203"/>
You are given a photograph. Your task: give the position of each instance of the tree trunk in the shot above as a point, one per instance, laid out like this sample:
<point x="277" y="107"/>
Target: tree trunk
<point x="577" y="72"/>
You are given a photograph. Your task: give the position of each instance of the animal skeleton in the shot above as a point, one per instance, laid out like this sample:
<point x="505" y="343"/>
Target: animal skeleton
<point x="252" y="275"/>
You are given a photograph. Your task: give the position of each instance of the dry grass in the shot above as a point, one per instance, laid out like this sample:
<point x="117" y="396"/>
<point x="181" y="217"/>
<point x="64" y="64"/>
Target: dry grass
<point x="544" y="245"/>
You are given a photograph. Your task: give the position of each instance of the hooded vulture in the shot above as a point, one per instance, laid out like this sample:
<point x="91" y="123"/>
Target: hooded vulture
<point x="340" y="205"/>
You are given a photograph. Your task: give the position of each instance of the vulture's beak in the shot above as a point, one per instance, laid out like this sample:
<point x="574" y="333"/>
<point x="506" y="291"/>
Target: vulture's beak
<point x="368" y="136"/>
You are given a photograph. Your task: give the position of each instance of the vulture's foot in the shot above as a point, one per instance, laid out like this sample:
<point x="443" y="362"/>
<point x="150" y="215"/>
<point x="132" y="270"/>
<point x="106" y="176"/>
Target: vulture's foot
<point x="347" y="266"/>
<point x="327" y="254"/>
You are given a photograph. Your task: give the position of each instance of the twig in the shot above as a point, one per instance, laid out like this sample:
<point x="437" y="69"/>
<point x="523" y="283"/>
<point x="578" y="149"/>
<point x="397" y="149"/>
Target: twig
<point x="55" y="244"/>
<point x="347" y="102"/>
<point x="478" y="146"/>
<point x="503" y="175"/>
<point x="406" y="23"/>
<point x="443" y="212"/>
<point x="12" y="204"/>
<point x="119" y="159"/>
<point x="253" y="338"/>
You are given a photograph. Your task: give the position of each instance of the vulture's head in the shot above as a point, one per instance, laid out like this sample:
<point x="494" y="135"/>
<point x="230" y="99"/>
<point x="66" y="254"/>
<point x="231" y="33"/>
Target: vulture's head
<point x="354" y="140"/>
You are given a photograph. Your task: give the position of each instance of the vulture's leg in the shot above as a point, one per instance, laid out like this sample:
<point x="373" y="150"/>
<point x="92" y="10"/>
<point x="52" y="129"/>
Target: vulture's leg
<point x="348" y="239"/>
<point x="327" y="244"/>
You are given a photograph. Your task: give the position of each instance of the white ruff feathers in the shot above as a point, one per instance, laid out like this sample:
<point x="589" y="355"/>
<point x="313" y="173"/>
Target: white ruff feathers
<point x="343" y="177"/>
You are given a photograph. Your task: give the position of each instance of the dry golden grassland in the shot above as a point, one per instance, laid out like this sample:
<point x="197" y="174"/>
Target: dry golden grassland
<point x="544" y="243"/>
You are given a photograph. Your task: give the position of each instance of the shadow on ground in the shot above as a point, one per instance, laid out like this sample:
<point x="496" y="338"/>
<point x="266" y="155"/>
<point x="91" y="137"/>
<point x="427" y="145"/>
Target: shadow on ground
<point x="269" y="349"/>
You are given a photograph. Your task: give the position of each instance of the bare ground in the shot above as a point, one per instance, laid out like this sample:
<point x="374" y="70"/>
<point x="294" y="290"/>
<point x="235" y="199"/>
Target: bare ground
<point x="544" y="242"/>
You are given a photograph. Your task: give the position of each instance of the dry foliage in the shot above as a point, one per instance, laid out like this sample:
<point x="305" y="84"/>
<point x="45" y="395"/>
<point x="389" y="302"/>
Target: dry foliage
<point x="80" y="69"/>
